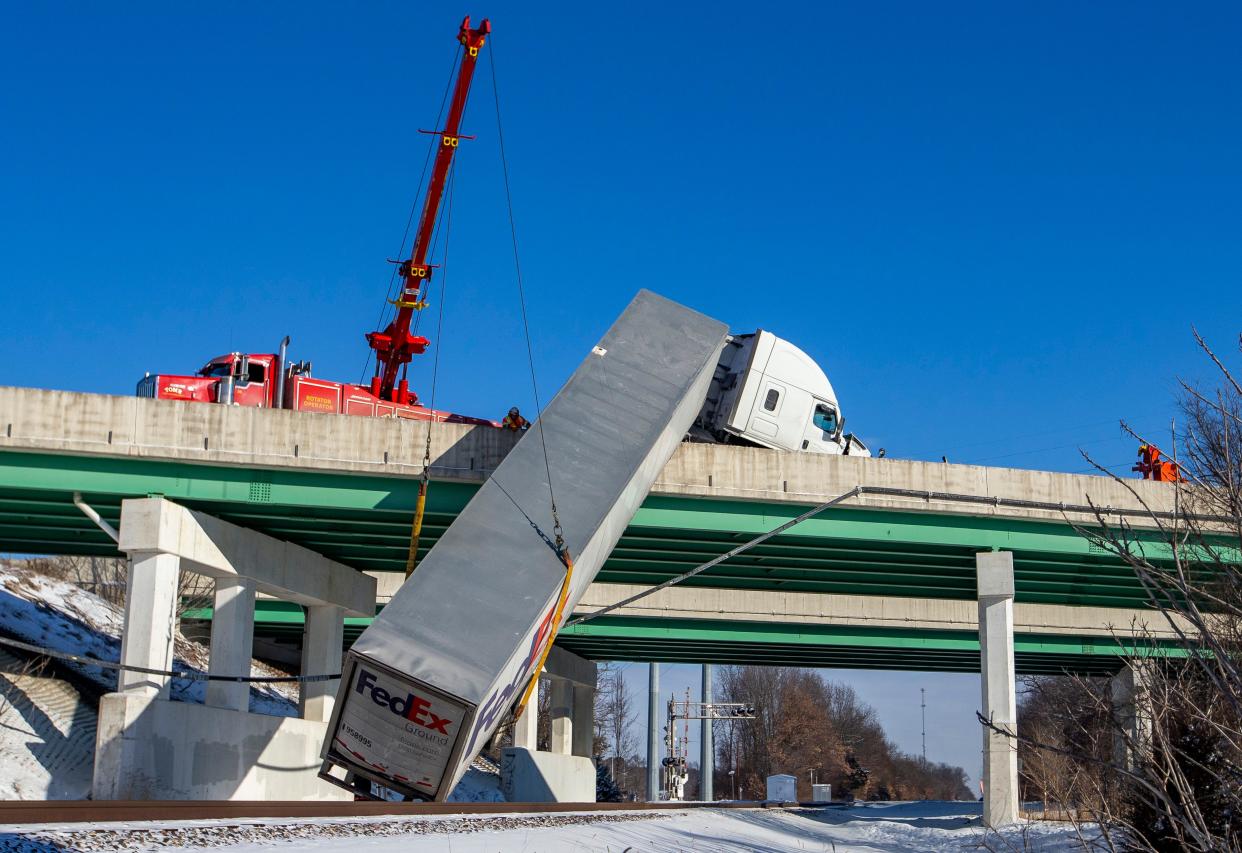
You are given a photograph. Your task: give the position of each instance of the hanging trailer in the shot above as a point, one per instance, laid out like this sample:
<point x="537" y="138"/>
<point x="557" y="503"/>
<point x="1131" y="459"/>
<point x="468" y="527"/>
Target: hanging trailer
<point x="426" y="685"/>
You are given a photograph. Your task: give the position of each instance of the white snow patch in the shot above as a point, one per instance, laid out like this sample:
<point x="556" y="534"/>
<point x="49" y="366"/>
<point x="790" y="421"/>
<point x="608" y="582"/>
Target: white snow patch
<point x="47" y="735"/>
<point x="47" y="724"/>
<point x="66" y="618"/>
<point x="477" y="787"/>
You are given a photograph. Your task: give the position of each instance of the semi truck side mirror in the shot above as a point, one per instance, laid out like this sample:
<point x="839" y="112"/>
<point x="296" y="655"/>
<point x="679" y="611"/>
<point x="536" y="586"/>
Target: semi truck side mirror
<point x="242" y="370"/>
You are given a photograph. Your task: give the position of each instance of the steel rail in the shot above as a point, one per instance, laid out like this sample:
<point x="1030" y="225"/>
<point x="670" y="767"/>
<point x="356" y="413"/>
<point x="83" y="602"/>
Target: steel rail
<point x="14" y="812"/>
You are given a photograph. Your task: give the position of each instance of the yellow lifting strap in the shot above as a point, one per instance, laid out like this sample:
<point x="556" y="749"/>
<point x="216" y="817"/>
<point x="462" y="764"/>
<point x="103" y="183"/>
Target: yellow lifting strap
<point x="556" y="624"/>
<point x="411" y="561"/>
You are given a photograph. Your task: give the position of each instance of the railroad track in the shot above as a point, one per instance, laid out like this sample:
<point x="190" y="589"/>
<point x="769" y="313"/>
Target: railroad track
<point x="108" y="811"/>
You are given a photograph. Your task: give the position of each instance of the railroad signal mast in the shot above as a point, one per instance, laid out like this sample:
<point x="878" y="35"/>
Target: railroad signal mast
<point x="395" y="346"/>
<point x="675" y="768"/>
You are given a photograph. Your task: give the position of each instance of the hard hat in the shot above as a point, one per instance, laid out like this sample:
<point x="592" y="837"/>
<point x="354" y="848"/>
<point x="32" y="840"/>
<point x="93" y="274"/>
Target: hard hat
<point x="513" y="411"/>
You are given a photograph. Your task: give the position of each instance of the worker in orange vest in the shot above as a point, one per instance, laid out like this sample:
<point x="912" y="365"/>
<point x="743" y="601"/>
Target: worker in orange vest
<point x="514" y="421"/>
<point x="1152" y="466"/>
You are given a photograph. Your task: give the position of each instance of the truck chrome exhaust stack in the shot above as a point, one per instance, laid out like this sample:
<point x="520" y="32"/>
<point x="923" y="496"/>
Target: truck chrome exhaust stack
<point x="278" y="402"/>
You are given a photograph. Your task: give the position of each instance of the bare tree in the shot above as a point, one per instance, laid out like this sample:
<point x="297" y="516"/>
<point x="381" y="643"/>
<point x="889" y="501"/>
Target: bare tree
<point x="1172" y="779"/>
<point x="805" y="725"/>
<point x="106" y="578"/>
<point x="614" y="716"/>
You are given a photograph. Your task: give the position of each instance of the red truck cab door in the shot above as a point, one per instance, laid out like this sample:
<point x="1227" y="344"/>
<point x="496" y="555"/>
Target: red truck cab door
<point x="249" y="375"/>
<point x="251" y="389"/>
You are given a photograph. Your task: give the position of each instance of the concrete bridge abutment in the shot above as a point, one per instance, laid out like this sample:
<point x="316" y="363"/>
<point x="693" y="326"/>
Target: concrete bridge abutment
<point x="150" y="748"/>
<point x="566" y="772"/>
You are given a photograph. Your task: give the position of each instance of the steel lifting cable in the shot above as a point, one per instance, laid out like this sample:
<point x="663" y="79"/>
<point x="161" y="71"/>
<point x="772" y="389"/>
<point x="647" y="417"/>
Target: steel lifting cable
<point x="715" y="561"/>
<point x="557" y="533"/>
<point x="416" y="531"/>
<point x="182" y="674"/>
<point x="409" y="222"/>
<point x="517" y="265"/>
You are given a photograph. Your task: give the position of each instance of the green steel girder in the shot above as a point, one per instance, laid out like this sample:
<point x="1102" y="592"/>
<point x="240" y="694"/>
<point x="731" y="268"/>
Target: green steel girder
<point x="363" y="521"/>
<point x="104" y="477"/>
<point x="721" y="641"/>
<point x="705" y="630"/>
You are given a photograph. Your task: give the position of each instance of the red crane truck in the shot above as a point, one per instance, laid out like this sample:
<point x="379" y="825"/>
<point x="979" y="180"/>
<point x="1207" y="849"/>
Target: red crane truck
<point x="269" y="380"/>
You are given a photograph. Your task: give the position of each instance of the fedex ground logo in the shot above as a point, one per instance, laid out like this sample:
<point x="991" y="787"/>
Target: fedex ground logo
<point x="414" y="709"/>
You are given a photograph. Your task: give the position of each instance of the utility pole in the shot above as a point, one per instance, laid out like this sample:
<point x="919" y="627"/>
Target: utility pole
<point x="923" y="694"/>
<point x="653" y="732"/>
<point x="707" y="753"/>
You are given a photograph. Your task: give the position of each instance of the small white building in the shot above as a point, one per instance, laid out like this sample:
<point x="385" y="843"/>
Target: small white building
<point x="783" y="788"/>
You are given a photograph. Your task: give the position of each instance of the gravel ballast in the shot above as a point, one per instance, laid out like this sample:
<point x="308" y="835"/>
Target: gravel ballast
<point x="203" y="835"/>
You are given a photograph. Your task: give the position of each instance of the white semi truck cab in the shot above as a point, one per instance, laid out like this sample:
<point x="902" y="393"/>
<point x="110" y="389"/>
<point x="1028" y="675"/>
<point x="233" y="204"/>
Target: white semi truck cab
<point x="769" y="393"/>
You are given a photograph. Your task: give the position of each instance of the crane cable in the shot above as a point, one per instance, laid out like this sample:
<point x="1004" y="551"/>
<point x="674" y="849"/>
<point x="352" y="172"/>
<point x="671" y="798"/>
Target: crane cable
<point x="562" y="550"/>
<point x="416" y="531"/>
<point x="715" y="561"/>
<point x="443" y="224"/>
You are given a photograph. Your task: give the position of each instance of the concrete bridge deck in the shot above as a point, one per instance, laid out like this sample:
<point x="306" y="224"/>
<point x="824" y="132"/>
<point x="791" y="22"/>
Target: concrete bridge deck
<point x="858" y="584"/>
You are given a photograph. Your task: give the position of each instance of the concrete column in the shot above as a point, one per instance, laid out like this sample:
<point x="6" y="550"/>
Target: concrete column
<point x="526" y="727"/>
<point x="322" y="643"/>
<point x="653" y="731"/>
<point x="1132" y="707"/>
<point x="584" y="721"/>
<point x="707" y="753"/>
<point x="1000" y="753"/>
<point x="232" y="641"/>
<point x="562" y="740"/>
<point x="150" y="622"/>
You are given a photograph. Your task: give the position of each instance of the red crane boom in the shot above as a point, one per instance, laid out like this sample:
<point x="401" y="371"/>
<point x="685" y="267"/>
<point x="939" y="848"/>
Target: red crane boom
<point x="395" y="346"/>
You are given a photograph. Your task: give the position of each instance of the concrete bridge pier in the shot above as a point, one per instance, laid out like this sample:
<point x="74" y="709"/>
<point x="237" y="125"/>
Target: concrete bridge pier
<point x="323" y="638"/>
<point x="1132" y="705"/>
<point x="526" y="727"/>
<point x="653" y="731"/>
<point x="150" y="622"/>
<point x="707" y="752"/>
<point x="994" y="571"/>
<point x="232" y="642"/>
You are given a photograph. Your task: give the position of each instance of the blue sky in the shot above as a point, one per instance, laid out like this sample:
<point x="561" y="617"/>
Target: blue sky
<point x="992" y="224"/>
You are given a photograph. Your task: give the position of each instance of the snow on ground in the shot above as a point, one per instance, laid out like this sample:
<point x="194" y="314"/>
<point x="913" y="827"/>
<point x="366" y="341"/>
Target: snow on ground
<point x="47" y="719"/>
<point x="60" y="616"/>
<point x="47" y="734"/>
<point x="477" y="786"/>
<point x="924" y="827"/>
<point x="47" y="724"/>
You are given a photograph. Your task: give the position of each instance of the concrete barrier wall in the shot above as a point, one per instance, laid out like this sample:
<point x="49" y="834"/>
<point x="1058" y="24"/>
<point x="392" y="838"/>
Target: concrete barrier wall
<point x="96" y="424"/>
<point x="756" y="474"/>
<point x="154" y="749"/>
<point x="527" y="776"/>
